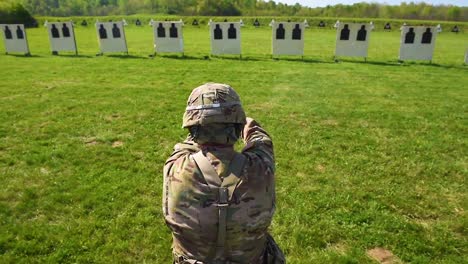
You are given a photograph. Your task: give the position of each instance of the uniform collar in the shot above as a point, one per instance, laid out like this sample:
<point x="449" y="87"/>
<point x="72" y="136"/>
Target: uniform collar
<point x="215" y="145"/>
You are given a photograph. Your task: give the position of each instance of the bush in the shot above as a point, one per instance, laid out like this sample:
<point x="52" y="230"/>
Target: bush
<point x="14" y="13"/>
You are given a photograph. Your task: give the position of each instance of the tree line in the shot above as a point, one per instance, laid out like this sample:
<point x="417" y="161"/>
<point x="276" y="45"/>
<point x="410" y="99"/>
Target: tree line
<point x="409" y="10"/>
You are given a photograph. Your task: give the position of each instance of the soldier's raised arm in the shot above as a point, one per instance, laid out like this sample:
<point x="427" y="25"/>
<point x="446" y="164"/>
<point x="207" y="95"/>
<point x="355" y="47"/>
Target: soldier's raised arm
<point x="258" y="145"/>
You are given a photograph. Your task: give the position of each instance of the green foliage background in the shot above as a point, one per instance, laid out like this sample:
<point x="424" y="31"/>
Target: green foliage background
<point x="242" y="7"/>
<point x="14" y="13"/>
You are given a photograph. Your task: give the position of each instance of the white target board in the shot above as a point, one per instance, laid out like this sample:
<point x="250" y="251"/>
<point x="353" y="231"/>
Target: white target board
<point x="417" y="43"/>
<point x="352" y="39"/>
<point x="466" y="57"/>
<point x="15" y="38"/>
<point x="287" y="38"/>
<point x="225" y="38"/>
<point x="61" y="36"/>
<point x="168" y="36"/>
<point x="111" y="36"/>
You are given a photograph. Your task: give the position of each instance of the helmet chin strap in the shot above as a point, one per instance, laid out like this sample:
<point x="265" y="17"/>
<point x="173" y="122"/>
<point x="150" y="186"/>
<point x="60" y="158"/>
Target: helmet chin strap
<point x="230" y="134"/>
<point x="194" y="132"/>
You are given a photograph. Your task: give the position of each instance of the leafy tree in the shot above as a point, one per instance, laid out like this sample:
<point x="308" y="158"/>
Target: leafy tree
<point x="14" y="13"/>
<point x="453" y="13"/>
<point x="405" y="10"/>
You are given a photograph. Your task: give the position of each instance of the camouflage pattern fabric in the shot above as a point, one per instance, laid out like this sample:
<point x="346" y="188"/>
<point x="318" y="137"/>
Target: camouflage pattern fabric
<point x="273" y="254"/>
<point x="188" y="201"/>
<point x="213" y="103"/>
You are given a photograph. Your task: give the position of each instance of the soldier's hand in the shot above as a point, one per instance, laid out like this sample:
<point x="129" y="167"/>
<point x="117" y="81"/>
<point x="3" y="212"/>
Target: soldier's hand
<point x="250" y="122"/>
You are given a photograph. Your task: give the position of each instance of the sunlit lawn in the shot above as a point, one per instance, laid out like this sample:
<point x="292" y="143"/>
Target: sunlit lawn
<point x="368" y="154"/>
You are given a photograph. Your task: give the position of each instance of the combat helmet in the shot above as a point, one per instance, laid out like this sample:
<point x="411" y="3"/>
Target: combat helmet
<point x="213" y="103"/>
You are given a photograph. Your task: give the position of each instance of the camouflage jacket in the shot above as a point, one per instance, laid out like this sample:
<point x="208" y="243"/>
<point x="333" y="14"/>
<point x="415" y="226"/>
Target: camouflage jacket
<point x="187" y="199"/>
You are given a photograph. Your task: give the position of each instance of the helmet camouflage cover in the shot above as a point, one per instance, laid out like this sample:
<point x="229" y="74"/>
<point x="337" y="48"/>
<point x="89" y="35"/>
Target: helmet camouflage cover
<point x="213" y="103"/>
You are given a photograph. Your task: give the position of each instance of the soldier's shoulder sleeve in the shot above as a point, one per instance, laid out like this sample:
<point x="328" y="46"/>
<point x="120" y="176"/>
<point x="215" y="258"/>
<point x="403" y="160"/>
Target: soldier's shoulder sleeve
<point x="181" y="150"/>
<point x="178" y="158"/>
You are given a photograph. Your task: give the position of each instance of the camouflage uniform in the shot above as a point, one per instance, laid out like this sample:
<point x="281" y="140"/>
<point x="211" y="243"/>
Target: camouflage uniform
<point x="192" y="209"/>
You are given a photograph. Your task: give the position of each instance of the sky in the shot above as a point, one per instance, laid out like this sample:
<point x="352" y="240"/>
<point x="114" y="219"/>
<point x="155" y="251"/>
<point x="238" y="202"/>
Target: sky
<point x="322" y="3"/>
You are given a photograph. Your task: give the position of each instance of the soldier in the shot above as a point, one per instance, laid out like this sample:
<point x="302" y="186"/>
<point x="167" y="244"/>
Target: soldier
<point x="217" y="202"/>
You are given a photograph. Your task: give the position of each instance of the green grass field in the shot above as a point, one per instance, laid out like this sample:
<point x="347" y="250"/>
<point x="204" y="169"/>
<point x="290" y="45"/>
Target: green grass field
<point x="368" y="154"/>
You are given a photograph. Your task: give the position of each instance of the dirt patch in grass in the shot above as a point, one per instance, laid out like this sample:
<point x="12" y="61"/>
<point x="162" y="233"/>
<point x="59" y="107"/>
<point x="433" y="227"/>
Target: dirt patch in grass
<point x="45" y="171"/>
<point x="90" y="141"/>
<point x="112" y="117"/>
<point x="383" y="256"/>
<point x="117" y="144"/>
<point x="329" y="122"/>
<point x="339" y="248"/>
<point x="320" y="168"/>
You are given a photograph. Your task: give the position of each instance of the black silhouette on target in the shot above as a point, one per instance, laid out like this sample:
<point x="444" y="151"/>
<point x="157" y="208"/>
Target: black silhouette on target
<point x="173" y="31"/>
<point x="102" y="32"/>
<point x="8" y="34"/>
<point x="116" y="31"/>
<point x="296" y="34"/>
<point x="218" y="33"/>
<point x="362" y="34"/>
<point x="427" y="36"/>
<point x="280" y="32"/>
<point x="232" y="33"/>
<point x="19" y="33"/>
<point x="409" y="37"/>
<point x="344" y="35"/>
<point x="161" y="31"/>
<point x="54" y="31"/>
<point x="65" y="31"/>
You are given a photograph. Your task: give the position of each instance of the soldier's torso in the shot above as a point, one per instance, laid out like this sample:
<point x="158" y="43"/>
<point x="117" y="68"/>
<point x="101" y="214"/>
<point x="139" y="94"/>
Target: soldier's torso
<point x="190" y="212"/>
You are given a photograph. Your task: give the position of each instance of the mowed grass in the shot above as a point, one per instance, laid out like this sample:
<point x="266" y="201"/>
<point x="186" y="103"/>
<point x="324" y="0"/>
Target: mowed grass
<point x="368" y="154"/>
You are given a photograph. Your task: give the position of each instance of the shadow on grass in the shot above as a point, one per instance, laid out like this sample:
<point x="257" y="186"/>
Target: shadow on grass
<point x="250" y="57"/>
<point x="432" y="64"/>
<point x="179" y="57"/>
<point x="270" y="58"/>
<point x="125" y="56"/>
<point x="398" y="63"/>
<point x="23" y="55"/>
<point x="208" y="57"/>
<point x="79" y="56"/>
<point x="303" y="60"/>
<point x="452" y="66"/>
<point x="379" y="63"/>
<point x="227" y="57"/>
